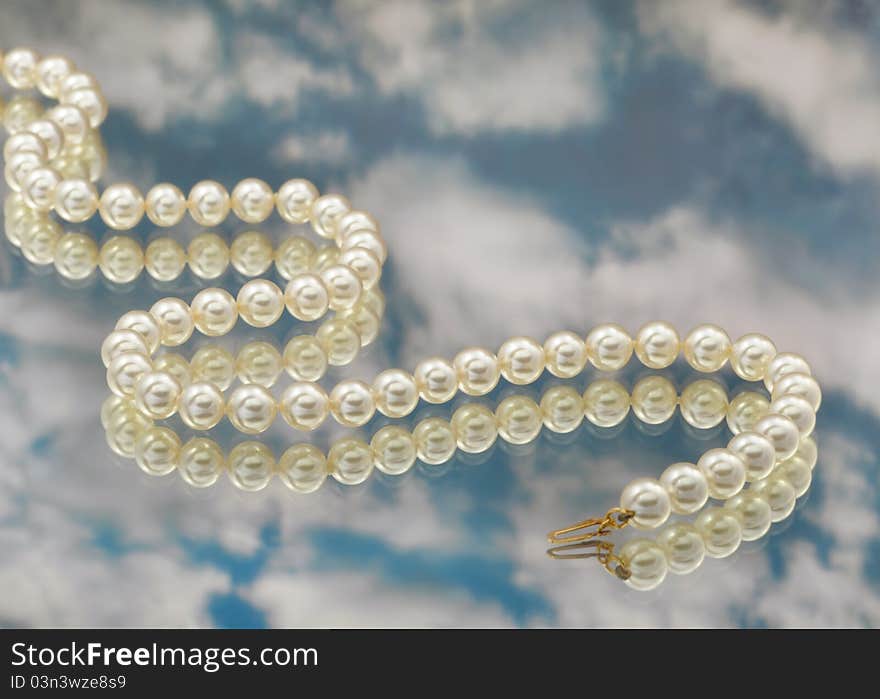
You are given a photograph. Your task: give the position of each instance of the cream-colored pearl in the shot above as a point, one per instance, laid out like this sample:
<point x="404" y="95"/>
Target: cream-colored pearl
<point x="214" y="365"/>
<point x="294" y="256"/>
<point x="304" y="406"/>
<point x="144" y="324"/>
<point x="259" y="363"/>
<point x="435" y="441"/>
<point x="164" y="259"/>
<point x="251" y="409"/>
<point x="657" y="344"/>
<point x="76" y="80"/>
<point x="175" y="321"/>
<point x="76" y="200"/>
<point x="208" y="255"/>
<point x="124" y="371"/>
<point x="73" y="122"/>
<point x="704" y="404"/>
<point x="39" y="188"/>
<point x="200" y="462"/>
<point x="436" y="379"/>
<point x="122" y="435"/>
<point x="350" y="461"/>
<point x="687" y="487"/>
<point x="606" y="403"/>
<point x="478" y="371"/>
<point x="798" y="410"/>
<point x="725" y="473"/>
<point x="49" y="73"/>
<point x="340" y="340"/>
<point x="654" y="399"/>
<point x="214" y="312"/>
<point x="115" y="407"/>
<point x="646" y="562"/>
<point x="756" y="452"/>
<point x="325" y="256"/>
<point x="306" y="297"/>
<point x="800" y="385"/>
<point x="251" y="253"/>
<point x="521" y="360"/>
<point x="779" y="494"/>
<point x="121" y="259"/>
<point x="25" y="142"/>
<point x="745" y="410"/>
<point x="18" y="167"/>
<point x="374" y="301"/>
<point x="21" y="111"/>
<point x="121" y="206"/>
<point x="208" y="203"/>
<point x="174" y="364"/>
<point x="369" y="241"/>
<point x="648" y="500"/>
<point x="294" y="200"/>
<point x="90" y="101"/>
<point x="305" y="358"/>
<point x="751" y="355"/>
<point x="260" y="303"/>
<point x="355" y="222"/>
<point x="475" y="428"/>
<point x="394" y="450"/>
<point x="156" y="394"/>
<point x="609" y="347"/>
<point x="50" y="134"/>
<point x="721" y="531"/>
<point x="157" y="450"/>
<point x="519" y="419"/>
<point x="754" y="514"/>
<point x="253" y="200"/>
<point x="251" y="465"/>
<point x="785" y="363"/>
<point x="343" y="286"/>
<point x="565" y="354"/>
<point x="797" y="472"/>
<point x="165" y="205"/>
<point x="707" y="348"/>
<point x="39" y="242"/>
<point x="76" y="256"/>
<point x="302" y="468"/>
<point x="201" y="405"/>
<point x="351" y="403"/>
<point x="396" y="393"/>
<point x="20" y="68"/>
<point x="782" y="433"/>
<point x="562" y="409"/>
<point x="326" y="212"/>
<point x="807" y="452"/>
<point x="120" y="342"/>
<point x="683" y="546"/>
<point x="364" y="264"/>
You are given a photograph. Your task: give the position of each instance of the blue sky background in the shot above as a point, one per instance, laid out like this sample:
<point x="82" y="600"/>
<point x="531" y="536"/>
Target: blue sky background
<point x="534" y="166"/>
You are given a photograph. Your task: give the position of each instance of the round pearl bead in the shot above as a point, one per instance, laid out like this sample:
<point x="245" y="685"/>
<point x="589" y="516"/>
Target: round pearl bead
<point x="121" y="259"/>
<point x="519" y="419"/>
<point x="294" y="200"/>
<point x="20" y="68"/>
<point x="782" y="433"/>
<point x="76" y="200"/>
<point x="122" y="436"/>
<point x="683" y="546"/>
<point x="478" y="371"/>
<point x="175" y="321"/>
<point x="251" y="253"/>
<point x="201" y="462"/>
<point x="707" y="348"/>
<point x="39" y="188"/>
<point x="687" y="488"/>
<point x="302" y="468"/>
<point x="807" y="452"/>
<point x="796" y="472"/>
<point x="350" y="461"/>
<point x="208" y="255"/>
<point x="396" y="393"/>
<point x="121" y="206"/>
<point x="251" y="465"/>
<point x="76" y="256"/>
<point x="654" y="399"/>
<point x="340" y="340"/>
<point x="606" y="403"/>
<point x="721" y="531"/>
<point x="18" y="167"/>
<point x="144" y="324"/>
<point x="258" y="362"/>
<point x="782" y="364"/>
<point x="260" y="303"/>
<point x="474" y="427"/>
<point x="745" y="410"/>
<point x="754" y="514"/>
<point x="213" y="364"/>
<point x="435" y="441"/>
<point x="704" y="404"/>
<point x="325" y="256"/>
<point x="779" y="494"/>
<point x="657" y="345"/>
<point x="253" y="200"/>
<point x="351" y="403"/>
<point x="751" y="355"/>
<point x="394" y="449"/>
<point x="72" y="121"/>
<point x="165" y="205"/>
<point x="725" y="473"/>
<point x="521" y="360"/>
<point x="39" y="242"/>
<point x="306" y="297"/>
<point x="164" y="259"/>
<point x="125" y="370"/>
<point x="565" y="354"/>
<point x="369" y="241"/>
<point x="798" y="410"/>
<point x="294" y="257"/>
<point x="800" y="385"/>
<point x="25" y="142"/>
<point x="436" y="379"/>
<point x="304" y="406"/>
<point x="343" y="286"/>
<point x="156" y="451"/>
<point x="121" y="342"/>
<point x="756" y="452"/>
<point x="304" y="358"/>
<point x="201" y="405"/>
<point x="251" y="409"/>
<point x="214" y="312"/>
<point x="646" y="562"/>
<point x="355" y="222"/>
<point x="49" y="74"/>
<point x="326" y="212"/>
<point x="648" y="499"/>
<point x="174" y="364"/>
<point x="156" y="394"/>
<point x="89" y="100"/>
<point x="364" y="264"/>
<point x="208" y="203"/>
<point x="50" y="134"/>
<point x="609" y="347"/>
<point x="562" y="409"/>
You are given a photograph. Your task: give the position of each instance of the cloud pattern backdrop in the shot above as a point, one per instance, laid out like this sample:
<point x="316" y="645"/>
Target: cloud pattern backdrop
<point x="534" y="168"/>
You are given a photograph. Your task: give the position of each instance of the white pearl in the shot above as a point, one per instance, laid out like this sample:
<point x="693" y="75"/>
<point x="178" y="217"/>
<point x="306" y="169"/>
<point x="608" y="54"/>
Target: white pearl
<point x="798" y="384"/>
<point x="174" y="319"/>
<point x="343" y="286"/>
<point x="754" y="514"/>
<point x="797" y="472"/>
<point x="201" y="405"/>
<point x="156" y="394"/>
<point x="779" y="494"/>
<point x="302" y="468"/>
<point x="121" y="206"/>
<point x="213" y="364"/>
<point x="76" y="256"/>
<point x="609" y="347"/>
<point x="782" y="364"/>
<point x="251" y="408"/>
<point x="436" y="379"/>
<point x="18" y="167"/>
<point x="351" y="403"/>
<point x="519" y="419"/>
<point x="306" y="297"/>
<point x="687" y="487"/>
<point x="201" y="462"/>
<point x="25" y="142"/>
<point x="751" y="355"/>
<point x="606" y="403"/>
<point x="20" y="68"/>
<point x="252" y="200"/>
<point x="208" y="255"/>
<point x="258" y="362"/>
<point x="208" y="203"/>
<point x="354" y="222"/>
<point x="50" y="134"/>
<point x="396" y="393"/>
<point x="478" y="371"/>
<point x="364" y="264"/>
<point x="326" y="212"/>
<point x="350" y="461"/>
<point x="721" y="531"/>
<point x="756" y="452"/>
<point x="725" y="472"/>
<point x="648" y="499"/>
<point x="521" y="360"/>
<point x="120" y="342"/>
<point x="251" y="253"/>
<point x="165" y="205"/>
<point x="340" y="340"/>
<point x="394" y="449"/>
<point x="562" y="409"/>
<point x="745" y="410"/>
<point x="646" y="562"/>
<point x="250" y="466"/>
<point x="474" y="427"/>
<point x="156" y="451"/>
<point x="144" y="324"/>
<point x="565" y="354"/>
<point x="435" y="441"/>
<point x="796" y="409"/>
<point x="49" y="73"/>
<point x="164" y="259"/>
<point x="369" y="241"/>
<point x="294" y="200"/>
<point x="174" y="364"/>
<point x="124" y="371"/>
<point x="260" y="303"/>
<point x="214" y="312"/>
<point x="72" y="121"/>
<point x="654" y="399"/>
<point x="39" y="188"/>
<point x="294" y="256"/>
<point x="683" y="546"/>
<point x="304" y="358"/>
<point x="39" y="242"/>
<point x="782" y="433"/>
<point x="76" y="200"/>
<point x="304" y="406"/>
<point x="707" y="348"/>
<point x="704" y="404"/>
<point x="657" y="345"/>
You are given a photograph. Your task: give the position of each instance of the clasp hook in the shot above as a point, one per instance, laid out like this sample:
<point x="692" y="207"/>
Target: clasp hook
<point x="615" y="518"/>
<point x="603" y="551"/>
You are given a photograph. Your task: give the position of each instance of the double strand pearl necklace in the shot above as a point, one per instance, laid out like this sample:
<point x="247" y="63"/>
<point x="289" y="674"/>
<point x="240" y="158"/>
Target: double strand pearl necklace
<point x="771" y="449"/>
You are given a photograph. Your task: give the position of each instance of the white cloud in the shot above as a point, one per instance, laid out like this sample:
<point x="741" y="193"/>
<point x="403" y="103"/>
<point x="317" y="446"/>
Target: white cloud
<point x="820" y="79"/>
<point x="328" y="147"/>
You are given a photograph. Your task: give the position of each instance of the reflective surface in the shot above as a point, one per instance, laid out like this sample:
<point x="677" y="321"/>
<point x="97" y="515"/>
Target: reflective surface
<point x="618" y="162"/>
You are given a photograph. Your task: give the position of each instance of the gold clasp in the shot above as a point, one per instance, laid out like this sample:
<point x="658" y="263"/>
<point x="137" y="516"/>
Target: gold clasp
<point x="603" y="551"/>
<point x="615" y="518"/>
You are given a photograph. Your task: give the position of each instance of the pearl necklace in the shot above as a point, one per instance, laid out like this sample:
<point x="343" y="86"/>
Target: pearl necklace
<point x="51" y="163"/>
